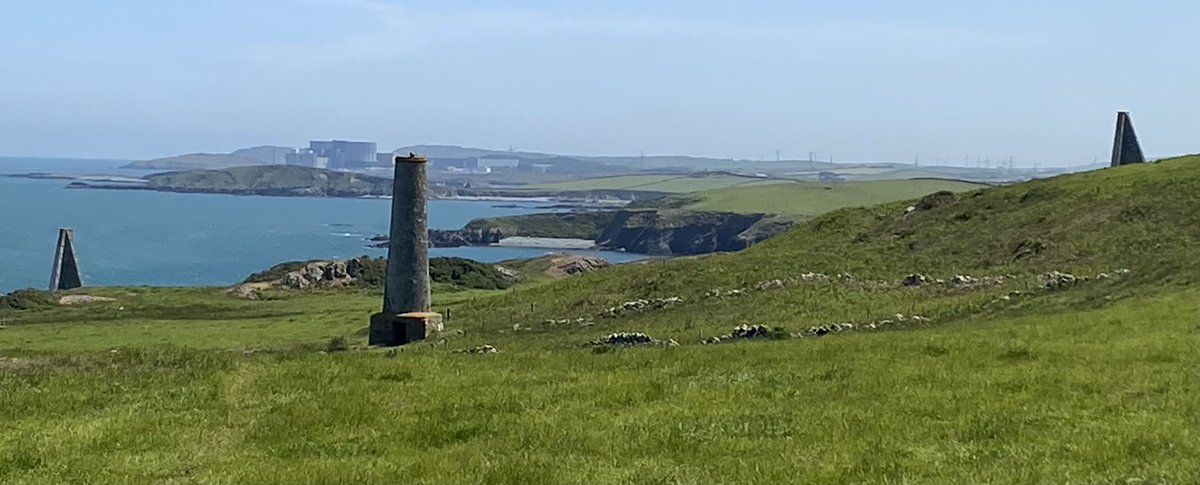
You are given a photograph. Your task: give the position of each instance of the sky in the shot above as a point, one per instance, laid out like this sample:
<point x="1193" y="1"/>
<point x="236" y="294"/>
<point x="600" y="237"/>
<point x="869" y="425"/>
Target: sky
<point x="942" y="80"/>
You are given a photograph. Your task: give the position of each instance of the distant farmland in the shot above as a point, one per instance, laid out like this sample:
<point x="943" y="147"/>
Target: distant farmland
<point x="673" y="183"/>
<point x="809" y="198"/>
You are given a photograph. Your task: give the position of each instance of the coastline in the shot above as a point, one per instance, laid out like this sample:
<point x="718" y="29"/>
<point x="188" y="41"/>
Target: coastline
<point x="545" y="243"/>
<point x="119" y="183"/>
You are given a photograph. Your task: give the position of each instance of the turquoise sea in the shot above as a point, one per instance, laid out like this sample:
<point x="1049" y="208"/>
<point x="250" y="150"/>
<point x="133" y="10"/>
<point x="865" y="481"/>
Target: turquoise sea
<point x="129" y="238"/>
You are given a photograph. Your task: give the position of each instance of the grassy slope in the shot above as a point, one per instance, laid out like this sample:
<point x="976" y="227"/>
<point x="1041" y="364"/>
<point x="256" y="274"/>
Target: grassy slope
<point x="270" y="177"/>
<point x="1089" y="397"/>
<point x="810" y="199"/>
<point x="1141" y="217"/>
<point x="1094" y="384"/>
<point x="192" y="161"/>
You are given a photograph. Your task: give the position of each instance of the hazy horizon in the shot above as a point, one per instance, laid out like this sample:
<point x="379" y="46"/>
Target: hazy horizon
<point x="872" y="81"/>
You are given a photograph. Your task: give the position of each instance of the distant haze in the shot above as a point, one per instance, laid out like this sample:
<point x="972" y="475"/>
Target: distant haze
<point x="866" y="80"/>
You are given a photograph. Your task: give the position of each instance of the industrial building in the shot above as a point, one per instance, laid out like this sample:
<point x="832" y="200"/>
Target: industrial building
<point x="335" y="155"/>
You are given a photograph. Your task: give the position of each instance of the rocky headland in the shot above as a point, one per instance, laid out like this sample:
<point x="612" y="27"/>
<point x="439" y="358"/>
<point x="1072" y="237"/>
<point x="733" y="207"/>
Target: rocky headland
<point x="664" y="232"/>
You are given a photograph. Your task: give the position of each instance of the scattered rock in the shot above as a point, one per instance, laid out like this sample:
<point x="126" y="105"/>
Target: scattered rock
<point x="322" y="274"/>
<point x="915" y="279"/>
<point x="627" y="339"/>
<point x="1056" y="280"/>
<point x="508" y="273"/>
<point x="1116" y="273"/>
<point x="482" y="349"/>
<point x="640" y="305"/>
<point x="769" y="284"/>
<point x="248" y="291"/>
<point x="746" y="332"/>
<point x="82" y="299"/>
<point x="814" y="277"/>
<point x="581" y="321"/>
<point x="573" y="265"/>
<point x="962" y="280"/>
<point x="822" y="330"/>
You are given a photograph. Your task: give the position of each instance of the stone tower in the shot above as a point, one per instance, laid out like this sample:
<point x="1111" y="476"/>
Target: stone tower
<point x="1126" y="149"/>
<point x="406" y="312"/>
<point x="65" y="274"/>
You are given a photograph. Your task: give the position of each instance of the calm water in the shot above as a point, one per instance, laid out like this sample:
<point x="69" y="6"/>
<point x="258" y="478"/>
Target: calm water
<point x="163" y="239"/>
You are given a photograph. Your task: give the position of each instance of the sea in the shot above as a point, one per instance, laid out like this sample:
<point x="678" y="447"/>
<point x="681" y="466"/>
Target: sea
<point x="139" y="237"/>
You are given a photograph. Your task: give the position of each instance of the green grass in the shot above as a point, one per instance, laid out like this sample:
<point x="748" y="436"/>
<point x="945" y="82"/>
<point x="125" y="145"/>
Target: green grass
<point x="1094" y="396"/>
<point x="663" y="183"/>
<point x="810" y="199"/>
<point x="1098" y="383"/>
<point x="201" y="318"/>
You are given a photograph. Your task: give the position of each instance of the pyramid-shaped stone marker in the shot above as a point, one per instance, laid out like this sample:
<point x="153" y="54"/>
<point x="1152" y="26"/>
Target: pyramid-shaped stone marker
<point x="65" y="275"/>
<point x="1126" y="149"/>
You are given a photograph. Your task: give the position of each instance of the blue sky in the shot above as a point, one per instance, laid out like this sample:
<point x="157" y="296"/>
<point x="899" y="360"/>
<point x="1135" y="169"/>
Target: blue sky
<point x="859" y="80"/>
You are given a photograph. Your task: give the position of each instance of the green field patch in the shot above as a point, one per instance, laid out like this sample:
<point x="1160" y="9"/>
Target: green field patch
<point x="672" y="183"/>
<point x="810" y="198"/>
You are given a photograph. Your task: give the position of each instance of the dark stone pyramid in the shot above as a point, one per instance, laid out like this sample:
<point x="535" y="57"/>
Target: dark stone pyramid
<point x="1126" y="149"/>
<point x="65" y="275"/>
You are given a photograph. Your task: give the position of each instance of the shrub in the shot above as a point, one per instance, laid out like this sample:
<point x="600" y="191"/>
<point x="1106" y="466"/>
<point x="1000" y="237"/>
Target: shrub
<point x="337" y="344"/>
<point x="467" y="273"/>
<point x="28" y="299"/>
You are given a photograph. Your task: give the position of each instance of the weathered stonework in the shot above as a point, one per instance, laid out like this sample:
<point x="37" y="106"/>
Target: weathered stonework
<point x="406" y="301"/>
<point x="389" y="330"/>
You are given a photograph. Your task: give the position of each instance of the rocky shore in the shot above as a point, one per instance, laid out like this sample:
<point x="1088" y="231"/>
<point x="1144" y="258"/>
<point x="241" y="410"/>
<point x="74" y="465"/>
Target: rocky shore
<point x="664" y="232"/>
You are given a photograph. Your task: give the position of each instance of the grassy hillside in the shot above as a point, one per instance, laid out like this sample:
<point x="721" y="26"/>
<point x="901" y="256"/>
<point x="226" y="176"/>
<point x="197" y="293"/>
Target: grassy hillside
<point x="1001" y="381"/>
<point x="1138" y="217"/>
<point x="672" y="183"/>
<point x="579" y="225"/>
<point x="272" y="180"/>
<point x="197" y="161"/>
<point x="1093" y="396"/>
<point x="807" y="198"/>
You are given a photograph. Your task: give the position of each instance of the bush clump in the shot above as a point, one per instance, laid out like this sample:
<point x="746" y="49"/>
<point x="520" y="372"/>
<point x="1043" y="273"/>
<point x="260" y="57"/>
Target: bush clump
<point x="28" y="299"/>
<point x="467" y="273"/>
<point x="337" y="344"/>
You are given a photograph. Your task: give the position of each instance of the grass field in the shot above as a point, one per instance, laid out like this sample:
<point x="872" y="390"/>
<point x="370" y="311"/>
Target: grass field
<point x="663" y="183"/>
<point x="810" y="198"/>
<point x="1095" y="382"/>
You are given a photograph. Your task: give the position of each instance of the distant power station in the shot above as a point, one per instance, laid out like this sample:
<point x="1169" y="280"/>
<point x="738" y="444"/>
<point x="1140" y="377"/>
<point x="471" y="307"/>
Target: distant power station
<point x="336" y="155"/>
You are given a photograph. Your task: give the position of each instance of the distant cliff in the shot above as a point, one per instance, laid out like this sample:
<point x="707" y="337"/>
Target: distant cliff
<point x="684" y="232"/>
<point x="278" y="180"/>
<point x="193" y="161"/>
<point x="662" y="232"/>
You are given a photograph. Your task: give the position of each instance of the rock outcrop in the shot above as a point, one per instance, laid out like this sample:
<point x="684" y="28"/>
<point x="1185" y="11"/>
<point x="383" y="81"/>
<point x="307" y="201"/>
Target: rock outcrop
<point x="451" y="238"/>
<point x="324" y="274"/>
<point x="684" y="232"/>
<point x="564" y="265"/>
<point x="667" y="232"/>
